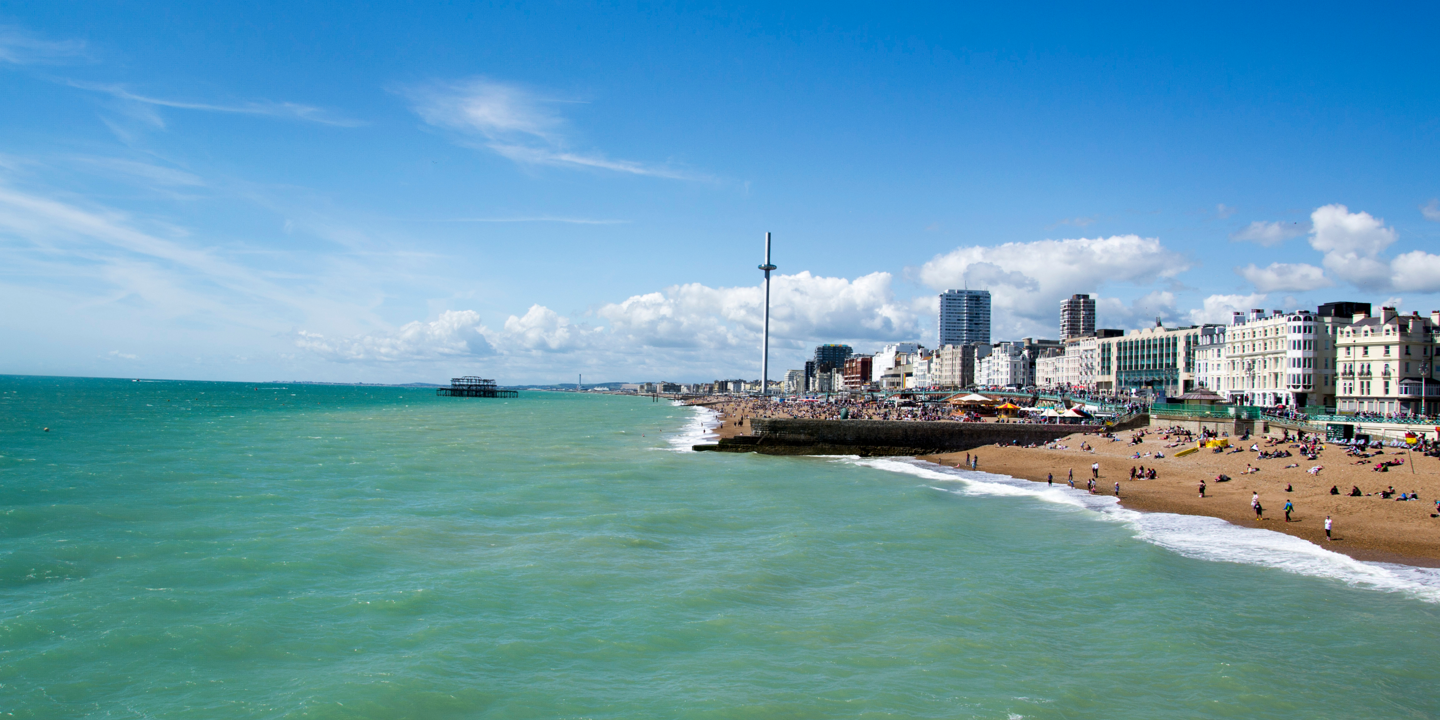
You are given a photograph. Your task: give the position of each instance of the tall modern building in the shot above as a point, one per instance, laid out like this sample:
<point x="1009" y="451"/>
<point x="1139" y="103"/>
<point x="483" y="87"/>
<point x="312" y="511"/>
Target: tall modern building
<point x="964" y="317"/>
<point x="832" y="357"/>
<point x="1077" y="317"/>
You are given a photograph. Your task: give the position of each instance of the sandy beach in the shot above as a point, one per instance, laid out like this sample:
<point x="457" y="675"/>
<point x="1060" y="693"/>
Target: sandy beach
<point x="1366" y="528"/>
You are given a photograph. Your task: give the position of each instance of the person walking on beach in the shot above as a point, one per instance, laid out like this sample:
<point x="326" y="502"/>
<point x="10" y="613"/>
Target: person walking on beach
<point x="1202" y="489"/>
<point x="1327" y="528"/>
<point x="1117" y="489"/>
<point x="1072" y="477"/>
<point x="1255" y="503"/>
<point x="1289" y="506"/>
<point x="1095" y="470"/>
<point x="1050" y="479"/>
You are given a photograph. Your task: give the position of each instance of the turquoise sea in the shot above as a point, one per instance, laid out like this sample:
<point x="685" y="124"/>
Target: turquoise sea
<point x="222" y="550"/>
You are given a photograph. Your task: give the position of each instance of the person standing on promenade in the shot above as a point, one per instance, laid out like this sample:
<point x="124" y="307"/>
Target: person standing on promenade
<point x="1289" y="506"/>
<point x="1327" y="528"/>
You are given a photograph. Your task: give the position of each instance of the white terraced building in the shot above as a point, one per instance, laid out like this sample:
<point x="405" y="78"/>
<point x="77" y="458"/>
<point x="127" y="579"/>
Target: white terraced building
<point x="1386" y="364"/>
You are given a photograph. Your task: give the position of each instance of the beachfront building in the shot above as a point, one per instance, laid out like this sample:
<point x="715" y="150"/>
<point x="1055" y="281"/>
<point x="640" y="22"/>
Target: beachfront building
<point x="1158" y="359"/>
<point x="1210" y="359"/>
<point x="964" y="317"/>
<point x="1386" y="364"/>
<point x="1050" y="372"/>
<point x="1077" y="317"/>
<point x="920" y="377"/>
<point x="1286" y="358"/>
<point x="856" y="374"/>
<point x="794" y="382"/>
<point x="953" y="366"/>
<point x="886" y="360"/>
<point x="1005" y="366"/>
<point x="1082" y="359"/>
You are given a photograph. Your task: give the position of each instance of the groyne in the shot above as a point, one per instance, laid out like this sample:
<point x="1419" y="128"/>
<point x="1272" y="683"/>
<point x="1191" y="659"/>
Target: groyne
<point x="869" y="438"/>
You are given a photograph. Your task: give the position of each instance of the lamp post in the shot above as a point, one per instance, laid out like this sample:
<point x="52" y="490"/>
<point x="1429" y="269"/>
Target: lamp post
<point x="765" y="343"/>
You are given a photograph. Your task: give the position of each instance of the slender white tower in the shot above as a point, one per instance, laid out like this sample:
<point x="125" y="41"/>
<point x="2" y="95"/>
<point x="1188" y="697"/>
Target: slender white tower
<point x="765" y="344"/>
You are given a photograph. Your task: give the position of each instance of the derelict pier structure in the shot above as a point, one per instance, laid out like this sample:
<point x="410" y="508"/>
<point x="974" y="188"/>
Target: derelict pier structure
<point x="470" y="386"/>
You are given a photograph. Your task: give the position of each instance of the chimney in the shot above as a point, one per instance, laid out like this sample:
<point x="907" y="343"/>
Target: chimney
<point x="1360" y="315"/>
<point x="1387" y="314"/>
<point x="1435" y="317"/>
<point x="1238" y="318"/>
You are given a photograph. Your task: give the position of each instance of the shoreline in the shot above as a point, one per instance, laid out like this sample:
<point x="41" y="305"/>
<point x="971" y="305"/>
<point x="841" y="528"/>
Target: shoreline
<point x="1367" y="528"/>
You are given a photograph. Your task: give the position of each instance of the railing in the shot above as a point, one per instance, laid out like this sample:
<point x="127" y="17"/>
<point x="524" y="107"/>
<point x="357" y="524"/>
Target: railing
<point x="1223" y="412"/>
<point x="1430" y="422"/>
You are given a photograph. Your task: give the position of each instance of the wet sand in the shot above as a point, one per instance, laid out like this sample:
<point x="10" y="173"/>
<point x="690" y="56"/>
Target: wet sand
<point x="1366" y="528"/>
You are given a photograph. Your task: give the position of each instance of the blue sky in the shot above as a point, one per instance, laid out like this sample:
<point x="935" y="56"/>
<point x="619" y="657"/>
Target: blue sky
<point x="408" y="192"/>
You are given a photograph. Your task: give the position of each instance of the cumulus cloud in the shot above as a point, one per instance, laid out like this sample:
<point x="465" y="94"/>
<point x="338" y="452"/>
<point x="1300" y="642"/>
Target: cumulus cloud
<point x="519" y="124"/>
<point x="682" y="327"/>
<point x="1285" y="277"/>
<point x="1027" y="281"/>
<point x="1269" y="233"/>
<point x="1416" y="271"/>
<point x="1352" y="244"/>
<point x="804" y="307"/>
<point x="455" y="333"/>
<point x="1218" y="308"/>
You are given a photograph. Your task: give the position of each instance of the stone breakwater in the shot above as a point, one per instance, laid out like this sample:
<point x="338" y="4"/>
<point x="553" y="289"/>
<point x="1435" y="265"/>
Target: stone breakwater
<point x="869" y="438"/>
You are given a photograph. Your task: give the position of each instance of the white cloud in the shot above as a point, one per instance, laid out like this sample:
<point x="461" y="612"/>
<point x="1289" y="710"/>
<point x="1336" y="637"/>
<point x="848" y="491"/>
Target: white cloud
<point x="803" y="308"/>
<point x="1352" y="243"/>
<point x="453" y="334"/>
<point x="520" y="125"/>
<point x="1416" y="271"/>
<point x="1218" y="308"/>
<point x="1269" y="233"/>
<point x="18" y="47"/>
<point x="545" y="330"/>
<point x="1027" y="281"/>
<point x="1431" y="210"/>
<point x="1224" y="211"/>
<point x="265" y="108"/>
<point x="1285" y="277"/>
<point x="682" y="330"/>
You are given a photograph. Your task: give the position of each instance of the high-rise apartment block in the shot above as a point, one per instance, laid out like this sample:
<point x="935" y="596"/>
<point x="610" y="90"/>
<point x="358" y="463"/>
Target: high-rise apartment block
<point x="832" y="357"/>
<point x="1077" y="317"/>
<point x="965" y="317"/>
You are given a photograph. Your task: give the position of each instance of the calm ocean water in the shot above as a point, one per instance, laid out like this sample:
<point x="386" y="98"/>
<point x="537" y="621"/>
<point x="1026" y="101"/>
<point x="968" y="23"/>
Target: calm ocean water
<point x="215" y="550"/>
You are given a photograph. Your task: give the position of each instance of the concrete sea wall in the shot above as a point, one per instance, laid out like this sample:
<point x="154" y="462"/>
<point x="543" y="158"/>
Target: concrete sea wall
<point x="882" y="437"/>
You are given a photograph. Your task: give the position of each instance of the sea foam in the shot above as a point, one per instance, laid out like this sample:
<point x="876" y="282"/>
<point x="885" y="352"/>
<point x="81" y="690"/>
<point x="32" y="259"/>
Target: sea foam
<point x="697" y="430"/>
<point x="1193" y="536"/>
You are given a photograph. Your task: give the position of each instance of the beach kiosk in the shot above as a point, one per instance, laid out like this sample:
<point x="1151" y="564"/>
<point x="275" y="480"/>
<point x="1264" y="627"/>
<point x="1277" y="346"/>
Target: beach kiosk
<point x="1007" y="410"/>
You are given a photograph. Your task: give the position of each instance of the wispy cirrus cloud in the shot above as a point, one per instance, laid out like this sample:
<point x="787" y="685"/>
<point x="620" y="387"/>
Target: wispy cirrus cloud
<point x="263" y="108"/>
<point x="521" y="125"/>
<point x="539" y="219"/>
<point x="18" y="47"/>
<point x="1269" y="233"/>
